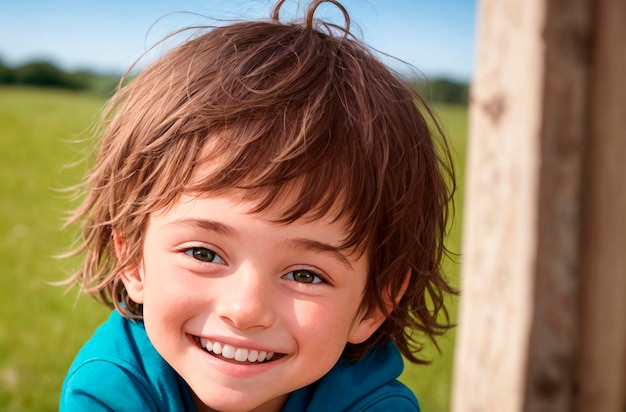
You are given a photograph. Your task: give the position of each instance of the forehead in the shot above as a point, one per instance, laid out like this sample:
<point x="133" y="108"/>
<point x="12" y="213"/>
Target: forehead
<point x="225" y="167"/>
<point x="272" y="205"/>
<point x="234" y="203"/>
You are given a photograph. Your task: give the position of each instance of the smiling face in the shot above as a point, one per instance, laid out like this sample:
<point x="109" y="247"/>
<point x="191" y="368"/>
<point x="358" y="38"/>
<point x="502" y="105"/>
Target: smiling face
<point x="247" y="310"/>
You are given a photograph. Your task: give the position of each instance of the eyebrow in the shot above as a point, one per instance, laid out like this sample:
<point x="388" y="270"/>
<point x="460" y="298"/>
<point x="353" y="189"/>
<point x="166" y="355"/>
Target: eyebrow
<point x="205" y="224"/>
<point x="321" y="247"/>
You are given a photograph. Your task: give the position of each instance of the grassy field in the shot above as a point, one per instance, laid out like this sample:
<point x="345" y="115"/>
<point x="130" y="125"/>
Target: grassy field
<point x="42" y="326"/>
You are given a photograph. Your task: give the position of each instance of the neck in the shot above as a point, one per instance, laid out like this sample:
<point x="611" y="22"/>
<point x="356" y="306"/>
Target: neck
<point x="273" y="405"/>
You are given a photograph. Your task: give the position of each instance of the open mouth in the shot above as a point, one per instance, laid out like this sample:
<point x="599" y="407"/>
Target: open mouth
<point x="237" y="355"/>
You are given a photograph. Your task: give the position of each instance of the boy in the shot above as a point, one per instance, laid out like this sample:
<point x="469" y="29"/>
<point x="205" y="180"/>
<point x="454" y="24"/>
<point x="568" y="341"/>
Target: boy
<point x="265" y="214"/>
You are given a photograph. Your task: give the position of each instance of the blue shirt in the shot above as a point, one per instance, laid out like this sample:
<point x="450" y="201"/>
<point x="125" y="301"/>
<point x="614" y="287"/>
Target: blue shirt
<point x="118" y="369"/>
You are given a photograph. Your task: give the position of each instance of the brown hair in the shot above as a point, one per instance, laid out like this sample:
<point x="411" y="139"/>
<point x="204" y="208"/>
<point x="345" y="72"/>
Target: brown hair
<point x="300" y="107"/>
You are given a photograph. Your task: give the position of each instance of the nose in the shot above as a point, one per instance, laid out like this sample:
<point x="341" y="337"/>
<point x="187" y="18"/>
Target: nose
<point x="246" y="300"/>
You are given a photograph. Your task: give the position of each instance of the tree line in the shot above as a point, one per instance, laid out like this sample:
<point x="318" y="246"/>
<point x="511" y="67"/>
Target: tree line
<point x="442" y="90"/>
<point x="42" y="73"/>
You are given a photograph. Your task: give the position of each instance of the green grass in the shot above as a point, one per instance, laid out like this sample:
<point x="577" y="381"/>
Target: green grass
<point x="41" y="326"/>
<point x="40" y="329"/>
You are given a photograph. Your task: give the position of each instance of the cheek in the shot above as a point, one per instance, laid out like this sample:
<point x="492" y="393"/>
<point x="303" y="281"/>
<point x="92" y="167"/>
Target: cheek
<point x="324" y="322"/>
<point x="169" y="291"/>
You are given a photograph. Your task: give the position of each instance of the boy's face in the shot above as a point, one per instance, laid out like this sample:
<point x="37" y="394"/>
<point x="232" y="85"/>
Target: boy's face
<point x="213" y="272"/>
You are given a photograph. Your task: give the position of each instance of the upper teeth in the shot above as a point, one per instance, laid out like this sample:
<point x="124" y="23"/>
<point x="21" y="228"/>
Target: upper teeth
<point x="238" y="354"/>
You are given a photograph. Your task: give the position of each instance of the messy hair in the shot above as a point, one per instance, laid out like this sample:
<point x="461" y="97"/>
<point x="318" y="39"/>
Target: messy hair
<point x="300" y="108"/>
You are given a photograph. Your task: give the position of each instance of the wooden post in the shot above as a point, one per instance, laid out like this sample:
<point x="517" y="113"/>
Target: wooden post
<point x="500" y="209"/>
<point x="545" y="211"/>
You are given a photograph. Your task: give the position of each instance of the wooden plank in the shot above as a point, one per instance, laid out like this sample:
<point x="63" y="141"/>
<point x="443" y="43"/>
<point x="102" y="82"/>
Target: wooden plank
<point x="603" y="363"/>
<point x="499" y="234"/>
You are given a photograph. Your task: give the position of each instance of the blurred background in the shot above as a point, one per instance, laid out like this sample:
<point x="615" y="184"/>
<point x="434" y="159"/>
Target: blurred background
<point x="59" y="62"/>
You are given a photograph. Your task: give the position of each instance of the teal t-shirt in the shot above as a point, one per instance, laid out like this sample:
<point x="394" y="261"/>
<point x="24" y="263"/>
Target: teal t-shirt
<point x="118" y="369"/>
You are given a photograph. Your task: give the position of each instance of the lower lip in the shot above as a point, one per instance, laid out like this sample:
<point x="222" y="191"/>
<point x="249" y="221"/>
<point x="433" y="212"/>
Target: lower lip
<point x="231" y="368"/>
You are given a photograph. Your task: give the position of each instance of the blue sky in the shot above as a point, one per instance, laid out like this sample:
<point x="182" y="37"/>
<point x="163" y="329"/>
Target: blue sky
<point x="436" y="36"/>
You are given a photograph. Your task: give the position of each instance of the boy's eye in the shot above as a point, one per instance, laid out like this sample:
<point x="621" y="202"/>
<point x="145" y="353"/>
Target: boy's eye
<point x="203" y="254"/>
<point x="303" y="276"/>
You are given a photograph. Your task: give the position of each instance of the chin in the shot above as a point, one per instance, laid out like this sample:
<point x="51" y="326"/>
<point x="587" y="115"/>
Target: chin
<point x="235" y="401"/>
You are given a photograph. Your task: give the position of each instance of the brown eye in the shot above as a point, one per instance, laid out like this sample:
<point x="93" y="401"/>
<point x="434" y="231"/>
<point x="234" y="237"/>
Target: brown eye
<point x="203" y="254"/>
<point x="303" y="276"/>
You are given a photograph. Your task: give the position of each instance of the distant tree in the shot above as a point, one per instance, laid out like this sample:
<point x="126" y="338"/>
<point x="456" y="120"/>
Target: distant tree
<point x="82" y="79"/>
<point x="442" y="90"/>
<point x="45" y="74"/>
<point x="7" y="74"/>
<point x="448" y="91"/>
<point x="41" y="73"/>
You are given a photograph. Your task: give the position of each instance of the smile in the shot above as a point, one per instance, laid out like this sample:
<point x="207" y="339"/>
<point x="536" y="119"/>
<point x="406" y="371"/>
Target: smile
<point x="233" y="353"/>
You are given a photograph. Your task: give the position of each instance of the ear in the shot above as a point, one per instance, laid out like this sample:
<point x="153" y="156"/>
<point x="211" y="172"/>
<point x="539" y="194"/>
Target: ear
<point x="371" y="322"/>
<point x="132" y="276"/>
